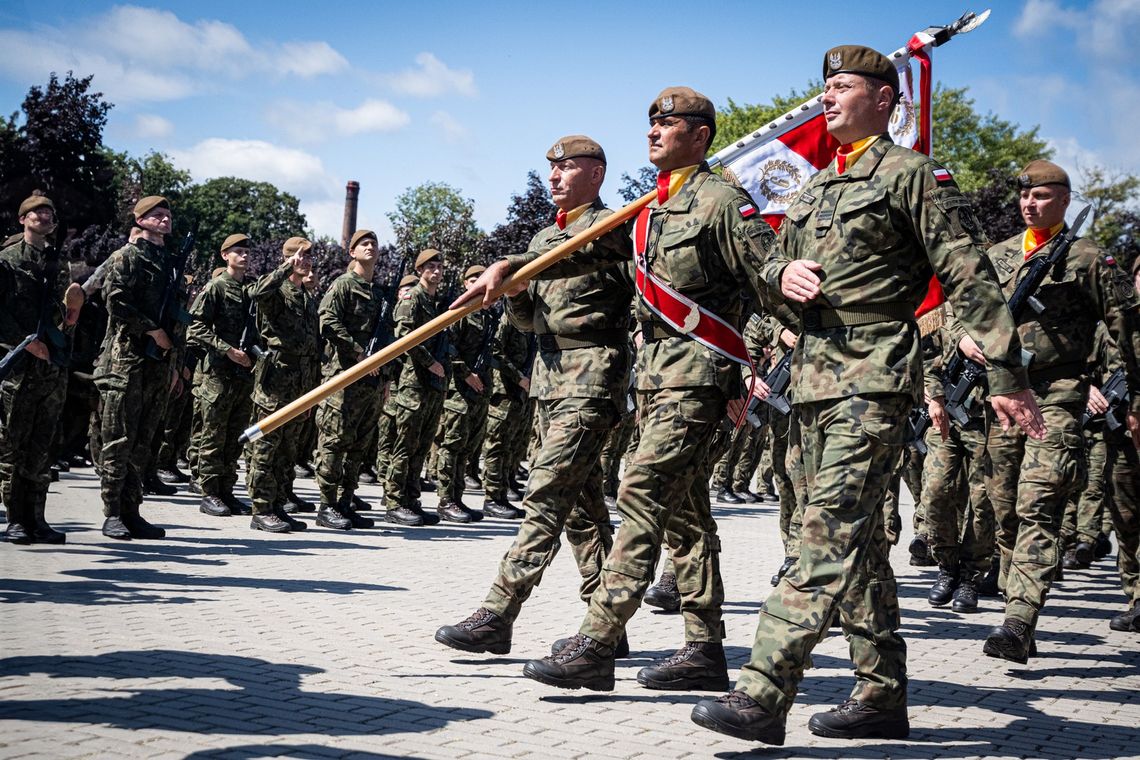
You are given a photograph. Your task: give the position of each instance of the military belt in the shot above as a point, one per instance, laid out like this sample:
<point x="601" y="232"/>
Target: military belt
<point x="1067" y="371"/>
<point x="814" y="320"/>
<point x="613" y="338"/>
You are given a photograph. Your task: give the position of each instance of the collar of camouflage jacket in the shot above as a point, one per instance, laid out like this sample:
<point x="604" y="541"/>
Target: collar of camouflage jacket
<point x="682" y="201"/>
<point x="867" y="163"/>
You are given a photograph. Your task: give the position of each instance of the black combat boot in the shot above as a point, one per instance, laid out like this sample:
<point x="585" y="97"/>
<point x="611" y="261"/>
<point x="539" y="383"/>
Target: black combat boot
<point x="502" y="509"/>
<point x="583" y="663"/>
<point x="664" y="595"/>
<point x="920" y="552"/>
<point x="214" y="507"/>
<point x="1084" y="555"/>
<point x="727" y="496"/>
<point x="749" y="496"/>
<point x="113" y="528"/>
<point x="427" y="485"/>
<point x="140" y="528"/>
<point x="429" y="518"/>
<point x="943" y="589"/>
<point x="328" y="517"/>
<point x="450" y="511"/>
<point x="965" y="596"/>
<point x="739" y="715"/>
<point x="988" y="584"/>
<point x="1127" y="621"/>
<point x="294" y="503"/>
<point x="294" y="524"/>
<point x="1010" y="641"/>
<point x="855" y="720"/>
<point x="42" y="533"/>
<point x="236" y="505"/>
<point x="403" y="516"/>
<point x="360" y="505"/>
<point x="348" y="510"/>
<point x="482" y="631"/>
<point x="1103" y="546"/>
<point x="173" y="475"/>
<point x="621" y="651"/>
<point x="789" y="562"/>
<point x="270" y="523"/>
<point x="472" y="483"/>
<point x="17" y="532"/>
<point x="697" y="666"/>
<point x="367" y="475"/>
<point x="152" y="485"/>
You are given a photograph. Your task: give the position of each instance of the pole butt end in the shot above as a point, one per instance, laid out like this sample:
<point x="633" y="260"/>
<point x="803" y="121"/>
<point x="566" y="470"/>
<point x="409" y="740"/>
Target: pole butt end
<point x="251" y="434"/>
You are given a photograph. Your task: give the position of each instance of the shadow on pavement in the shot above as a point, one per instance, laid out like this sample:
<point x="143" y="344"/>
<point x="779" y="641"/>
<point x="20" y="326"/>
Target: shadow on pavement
<point x="264" y="698"/>
<point x="252" y="751"/>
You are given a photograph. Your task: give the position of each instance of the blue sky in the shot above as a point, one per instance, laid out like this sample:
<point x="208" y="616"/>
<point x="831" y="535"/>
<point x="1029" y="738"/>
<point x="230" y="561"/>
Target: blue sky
<point x="390" y="94"/>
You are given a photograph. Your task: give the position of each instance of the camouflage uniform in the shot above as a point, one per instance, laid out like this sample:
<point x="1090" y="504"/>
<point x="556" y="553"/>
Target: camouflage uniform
<point x="348" y="313"/>
<point x="512" y="360"/>
<point x="287" y="322"/>
<point x="418" y="399"/>
<point x="579" y="379"/>
<point x="32" y="396"/>
<point x="134" y="387"/>
<point x="464" y="409"/>
<point x="877" y="230"/>
<point x="222" y="388"/>
<point x="1036" y="478"/>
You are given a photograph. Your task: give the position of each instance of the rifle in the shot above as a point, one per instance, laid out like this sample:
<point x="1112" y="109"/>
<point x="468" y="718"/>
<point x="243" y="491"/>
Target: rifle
<point x="46" y="331"/>
<point x="483" y="360"/>
<point x="527" y="365"/>
<point x="382" y="333"/>
<point x="249" y="342"/>
<point x="170" y="312"/>
<point x="442" y="349"/>
<point x="1116" y="393"/>
<point x="917" y="424"/>
<point x="778" y="379"/>
<point x="963" y="375"/>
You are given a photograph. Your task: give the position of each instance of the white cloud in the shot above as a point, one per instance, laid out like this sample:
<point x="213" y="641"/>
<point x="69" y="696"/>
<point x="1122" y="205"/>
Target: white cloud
<point x="149" y="125"/>
<point x="149" y="55"/>
<point x="430" y="78"/>
<point x="325" y="217"/>
<point x="317" y="122"/>
<point x="453" y="131"/>
<point x="292" y="170"/>
<point x="1106" y="31"/>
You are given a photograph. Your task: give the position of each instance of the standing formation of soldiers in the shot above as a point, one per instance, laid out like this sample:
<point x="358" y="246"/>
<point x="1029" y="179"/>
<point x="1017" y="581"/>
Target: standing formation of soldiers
<point x="1030" y="459"/>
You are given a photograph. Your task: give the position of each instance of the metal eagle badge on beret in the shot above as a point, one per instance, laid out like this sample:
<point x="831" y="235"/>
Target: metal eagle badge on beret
<point x="1023" y="180"/>
<point x="559" y="151"/>
<point x="667" y="104"/>
<point x="834" y="60"/>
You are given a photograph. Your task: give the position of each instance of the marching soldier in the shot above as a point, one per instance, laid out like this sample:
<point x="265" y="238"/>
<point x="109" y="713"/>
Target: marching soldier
<point x="224" y="381"/>
<point x="37" y="302"/>
<point x="1089" y="286"/>
<point x="855" y="253"/>
<point x="419" y="395"/>
<point x="579" y="380"/>
<point x="348" y="314"/>
<point x="287" y="322"/>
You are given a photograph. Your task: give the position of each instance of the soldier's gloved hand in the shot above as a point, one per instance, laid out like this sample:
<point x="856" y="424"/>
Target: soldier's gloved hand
<point x="1098" y="404"/>
<point x="799" y="281"/>
<point x="1020" y="408"/>
<point x="237" y="356"/>
<point x="971" y="351"/>
<point x="938" y="417"/>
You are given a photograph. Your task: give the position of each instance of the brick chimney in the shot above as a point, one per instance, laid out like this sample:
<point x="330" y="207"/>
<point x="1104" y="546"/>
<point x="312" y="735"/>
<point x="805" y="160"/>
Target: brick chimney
<point x="351" y="197"/>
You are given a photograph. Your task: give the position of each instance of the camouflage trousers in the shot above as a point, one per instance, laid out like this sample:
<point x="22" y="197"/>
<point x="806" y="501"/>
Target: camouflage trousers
<point x="344" y="422"/>
<point x="913" y="466"/>
<point x="174" y="436"/>
<point x="412" y="434"/>
<point x="1085" y="512"/>
<point x="504" y="425"/>
<point x="671" y="463"/>
<point x="852" y="447"/>
<point x="1029" y="483"/>
<point x="731" y="469"/>
<point x="223" y="402"/>
<point x="272" y="457"/>
<point x="463" y="420"/>
<point x="617" y="442"/>
<point x="787" y="456"/>
<point x="749" y="460"/>
<point x="564" y="492"/>
<point x="385" y="432"/>
<point x="1124" y="465"/>
<point x="133" y="409"/>
<point x="960" y="521"/>
<point x="31" y="399"/>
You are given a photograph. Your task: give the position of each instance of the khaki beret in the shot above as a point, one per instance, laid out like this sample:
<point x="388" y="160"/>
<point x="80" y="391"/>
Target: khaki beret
<point x="235" y="240"/>
<point x="34" y="201"/>
<point x="474" y="271"/>
<point x="428" y="254"/>
<point x="856" y="59"/>
<point x="682" y="101"/>
<point x="1042" y="172"/>
<point x="296" y="244"/>
<point x="361" y="235"/>
<point x="148" y="204"/>
<point x="575" y="146"/>
<point x="409" y="280"/>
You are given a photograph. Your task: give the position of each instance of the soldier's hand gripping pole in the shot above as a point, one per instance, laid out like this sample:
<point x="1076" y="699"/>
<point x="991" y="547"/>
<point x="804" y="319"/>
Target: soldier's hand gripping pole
<point x="442" y="322"/>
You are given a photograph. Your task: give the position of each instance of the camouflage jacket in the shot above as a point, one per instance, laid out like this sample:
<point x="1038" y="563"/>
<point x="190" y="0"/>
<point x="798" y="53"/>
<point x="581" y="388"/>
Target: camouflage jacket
<point x="704" y="243"/>
<point x="219" y="313"/>
<point x="591" y="307"/>
<point x="22" y="293"/>
<point x="417" y="308"/>
<point x="511" y="351"/>
<point x="467" y="343"/>
<point x="879" y="231"/>
<point x="135" y="281"/>
<point x="286" y="315"/>
<point x="1086" y="288"/>
<point x="348" y="317"/>
<point x="938" y="350"/>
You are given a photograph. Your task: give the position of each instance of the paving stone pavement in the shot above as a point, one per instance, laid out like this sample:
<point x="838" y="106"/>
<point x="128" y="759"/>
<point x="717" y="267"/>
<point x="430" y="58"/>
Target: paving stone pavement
<point x="219" y="641"/>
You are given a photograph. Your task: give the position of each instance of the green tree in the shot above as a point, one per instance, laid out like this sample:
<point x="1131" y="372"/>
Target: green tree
<point x="227" y="205"/>
<point x="435" y="215"/>
<point x="633" y="188"/>
<point x="1114" y="196"/>
<point x="527" y="213"/>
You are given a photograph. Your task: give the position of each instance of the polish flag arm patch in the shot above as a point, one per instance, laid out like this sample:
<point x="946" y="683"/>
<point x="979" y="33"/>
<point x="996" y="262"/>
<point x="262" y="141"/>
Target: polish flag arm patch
<point x="747" y="210"/>
<point x="943" y="177"/>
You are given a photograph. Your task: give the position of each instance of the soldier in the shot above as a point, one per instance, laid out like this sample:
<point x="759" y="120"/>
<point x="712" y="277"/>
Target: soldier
<point x="387" y="422"/>
<point x="419" y="394"/>
<point x="38" y="301"/>
<point x="136" y="370"/>
<point x="514" y="354"/>
<point x="288" y="324"/>
<point x="465" y="407"/>
<point x="1088" y="287"/>
<point x="579" y="381"/>
<point x="855" y="253"/>
<point x="224" y="381"/>
<point x="348" y="314"/>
